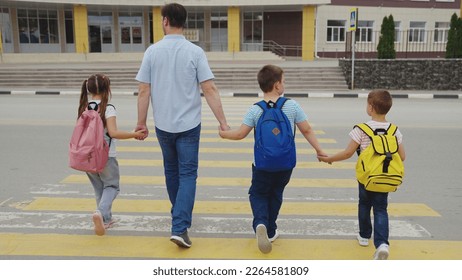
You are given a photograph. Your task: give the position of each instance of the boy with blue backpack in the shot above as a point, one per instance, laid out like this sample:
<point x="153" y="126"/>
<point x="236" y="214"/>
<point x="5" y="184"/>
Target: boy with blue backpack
<point x="274" y="120"/>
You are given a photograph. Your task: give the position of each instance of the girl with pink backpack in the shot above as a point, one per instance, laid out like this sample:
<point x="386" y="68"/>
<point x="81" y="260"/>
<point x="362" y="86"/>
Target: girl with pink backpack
<point x="105" y="180"/>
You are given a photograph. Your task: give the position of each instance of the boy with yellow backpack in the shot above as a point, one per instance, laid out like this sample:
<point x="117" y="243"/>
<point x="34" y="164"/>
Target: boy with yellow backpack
<point x="379" y="169"/>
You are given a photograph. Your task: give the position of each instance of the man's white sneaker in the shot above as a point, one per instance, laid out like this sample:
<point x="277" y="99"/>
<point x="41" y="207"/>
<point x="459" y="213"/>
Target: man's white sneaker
<point x="276" y="235"/>
<point x="262" y="239"/>
<point x="382" y="252"/>
<point x="362" y="241"/>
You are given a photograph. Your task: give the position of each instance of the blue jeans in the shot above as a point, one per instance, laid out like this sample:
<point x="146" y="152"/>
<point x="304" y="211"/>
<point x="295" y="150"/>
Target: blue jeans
<point x="181" y="160"/>
<point x="106" y="186"/>
<point x="266" y="195"/>
<point x="379" y="203"/>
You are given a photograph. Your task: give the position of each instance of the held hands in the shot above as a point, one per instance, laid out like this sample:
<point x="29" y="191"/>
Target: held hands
<point x="142" y="132"/>
<point x="222" y="128"/>
<point x="324" y="158"/>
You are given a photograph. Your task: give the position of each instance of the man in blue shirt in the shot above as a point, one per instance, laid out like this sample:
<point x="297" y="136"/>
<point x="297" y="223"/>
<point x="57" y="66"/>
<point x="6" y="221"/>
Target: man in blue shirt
<point x="171" y="75"/>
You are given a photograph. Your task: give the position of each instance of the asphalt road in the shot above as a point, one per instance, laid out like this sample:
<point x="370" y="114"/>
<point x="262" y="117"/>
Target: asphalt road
<point x="43" y="201"/>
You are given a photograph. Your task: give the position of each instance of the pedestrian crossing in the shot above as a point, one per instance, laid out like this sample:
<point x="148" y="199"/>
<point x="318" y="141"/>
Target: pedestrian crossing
<point x="317" y="219"/>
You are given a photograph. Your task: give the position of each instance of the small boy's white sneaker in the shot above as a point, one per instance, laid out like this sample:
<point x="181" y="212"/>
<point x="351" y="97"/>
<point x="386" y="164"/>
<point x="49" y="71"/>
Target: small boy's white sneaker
<point x="362" y="241"/>
<point x="382" y="252"/>
<point x="263" y="242"/>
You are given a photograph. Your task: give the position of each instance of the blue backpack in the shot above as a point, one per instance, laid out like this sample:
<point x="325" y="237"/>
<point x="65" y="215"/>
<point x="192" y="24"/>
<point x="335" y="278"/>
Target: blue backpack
<point x="274" y="148"/>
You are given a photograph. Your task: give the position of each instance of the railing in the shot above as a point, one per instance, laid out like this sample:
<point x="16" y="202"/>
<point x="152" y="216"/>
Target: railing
<point x="282" y="50"/>
<point x="408" y="44"/>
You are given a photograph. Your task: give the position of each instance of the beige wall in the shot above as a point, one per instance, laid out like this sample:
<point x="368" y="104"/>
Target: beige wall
<point x="376" y="14"/>
<point x="186" y="2"/>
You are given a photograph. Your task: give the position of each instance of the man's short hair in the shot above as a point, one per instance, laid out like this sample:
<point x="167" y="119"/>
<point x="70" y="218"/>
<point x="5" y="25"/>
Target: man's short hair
<point x="176" y="14"/>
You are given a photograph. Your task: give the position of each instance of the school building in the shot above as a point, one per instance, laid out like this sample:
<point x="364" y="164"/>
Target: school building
<point x="300" y="28"/>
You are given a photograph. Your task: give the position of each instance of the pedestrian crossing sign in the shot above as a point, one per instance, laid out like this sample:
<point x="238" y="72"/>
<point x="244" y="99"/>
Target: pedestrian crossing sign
<point x="353" y="19"/>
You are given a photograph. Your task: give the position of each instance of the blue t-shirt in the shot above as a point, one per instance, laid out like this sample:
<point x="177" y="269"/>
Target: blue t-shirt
<point x="175" y="67"/>
<point x="291" y="108"/>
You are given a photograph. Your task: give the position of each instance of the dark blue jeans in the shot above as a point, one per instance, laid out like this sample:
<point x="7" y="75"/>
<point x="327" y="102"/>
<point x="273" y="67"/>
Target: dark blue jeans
<point x="379" y="203"/>
<point x="266" y="195"/>
<point x="181" y="156"/>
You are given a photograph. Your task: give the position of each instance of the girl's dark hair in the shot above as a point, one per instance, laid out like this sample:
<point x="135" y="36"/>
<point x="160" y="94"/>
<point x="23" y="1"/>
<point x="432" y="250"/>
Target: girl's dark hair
<point x="97" y="84"/>
<point x="176" y="14"/>
<point x="268" y="76"/>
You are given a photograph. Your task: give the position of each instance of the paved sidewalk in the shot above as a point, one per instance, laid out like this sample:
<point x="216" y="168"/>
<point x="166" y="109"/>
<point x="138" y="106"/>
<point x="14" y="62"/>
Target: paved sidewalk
<point x="356" y="93"/>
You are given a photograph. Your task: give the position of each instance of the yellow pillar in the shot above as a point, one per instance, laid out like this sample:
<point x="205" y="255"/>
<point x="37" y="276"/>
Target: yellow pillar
<point x="157" y="30"/>
<point x="81" y="29"/>
<point x="308" y="32"/>
<point x="234" y="44"/>
<point x="1" y="42"/>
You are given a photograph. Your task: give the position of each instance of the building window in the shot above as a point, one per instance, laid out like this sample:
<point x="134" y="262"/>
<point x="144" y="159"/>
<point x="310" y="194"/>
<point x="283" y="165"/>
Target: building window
<point x="417" y="31"/>
<point x="219" y="31"/>
<point x="253" y="27"/>
<point x="5" y="25"/>
<point x="364" y="31"/>
<point x="69" y="26"/>
<point x="336" y="31"/>
<point x="38" y="26"/>
<point x="195" y="20"/>
<point x="441" y="32"/>
<point x="194" y="26"/>
<point x="131" y="27"/>
<point x="397" y="32"/>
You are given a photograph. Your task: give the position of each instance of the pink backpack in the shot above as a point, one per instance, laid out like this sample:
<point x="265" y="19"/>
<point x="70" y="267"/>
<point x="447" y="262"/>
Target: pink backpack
<point x="88" y="151"/>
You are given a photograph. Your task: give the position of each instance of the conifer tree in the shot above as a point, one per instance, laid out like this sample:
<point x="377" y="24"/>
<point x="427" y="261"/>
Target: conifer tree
<point x="451" y="45"/>
<point x="386" y="46"/>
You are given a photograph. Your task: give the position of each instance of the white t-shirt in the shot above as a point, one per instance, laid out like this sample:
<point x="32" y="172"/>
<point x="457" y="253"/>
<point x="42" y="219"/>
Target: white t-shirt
<point x="110" y="112"/>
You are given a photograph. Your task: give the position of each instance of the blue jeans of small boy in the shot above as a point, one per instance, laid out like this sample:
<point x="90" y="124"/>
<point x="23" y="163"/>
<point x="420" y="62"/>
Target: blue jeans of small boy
<point x="106" y="186"/>
<point x="379" y="203"/>
<point x="181" y="161"/>
<point x="266" y="195"/>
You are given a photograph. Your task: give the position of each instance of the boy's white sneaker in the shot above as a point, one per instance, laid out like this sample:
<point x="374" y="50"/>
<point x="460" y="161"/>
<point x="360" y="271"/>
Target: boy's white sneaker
<point x="382" y="252"/>
<point x="362" y="241"/>
<point x="263" y="242"/>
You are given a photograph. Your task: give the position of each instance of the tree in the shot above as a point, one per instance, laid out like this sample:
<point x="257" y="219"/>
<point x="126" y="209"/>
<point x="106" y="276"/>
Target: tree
<point x="386" y="46"/>
<point x="452" y="36"/>
<point x="454" y="44"/>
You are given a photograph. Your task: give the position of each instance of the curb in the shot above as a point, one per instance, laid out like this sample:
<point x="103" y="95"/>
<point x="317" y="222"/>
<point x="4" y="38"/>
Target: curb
<point x="256" y="94"/>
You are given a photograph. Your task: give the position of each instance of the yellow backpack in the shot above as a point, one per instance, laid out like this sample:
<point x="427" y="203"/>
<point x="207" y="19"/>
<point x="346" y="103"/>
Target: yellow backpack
<point x="379" y="167"/>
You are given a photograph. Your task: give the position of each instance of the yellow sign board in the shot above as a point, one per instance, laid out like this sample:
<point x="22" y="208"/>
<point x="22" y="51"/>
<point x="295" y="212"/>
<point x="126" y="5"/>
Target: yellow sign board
<point x="353" y="19"/>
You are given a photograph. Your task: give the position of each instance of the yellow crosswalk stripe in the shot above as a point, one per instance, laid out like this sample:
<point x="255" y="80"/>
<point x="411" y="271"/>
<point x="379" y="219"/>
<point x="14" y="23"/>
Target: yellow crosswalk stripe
<point x="68" y="245"/>
<point x="236" y="164"/>
<point x="245" y="140"/>
<point x="220" y="181"/>
<point x="141" y="149"/>
<point x="224" y="207"/>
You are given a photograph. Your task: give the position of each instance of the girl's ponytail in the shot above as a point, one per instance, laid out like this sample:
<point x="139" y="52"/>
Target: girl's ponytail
<point x="83" y="103"/>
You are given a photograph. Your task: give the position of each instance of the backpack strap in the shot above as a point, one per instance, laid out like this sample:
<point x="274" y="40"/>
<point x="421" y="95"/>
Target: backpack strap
<point x="279" y="104"/>
<point x="391" y="130"/>
<point x="94" y="106"/>
<point x="366" y="129"/>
